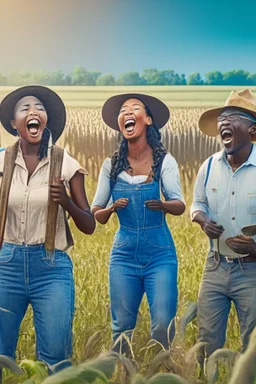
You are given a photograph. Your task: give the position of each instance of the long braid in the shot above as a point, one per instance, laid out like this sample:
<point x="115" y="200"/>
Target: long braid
<point x="159" y="152"/>
<point x="119" y="161"/>
<point x="43" y="149"/>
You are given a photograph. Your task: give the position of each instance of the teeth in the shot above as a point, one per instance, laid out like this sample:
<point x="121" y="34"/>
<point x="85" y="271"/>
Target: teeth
<point x="226" y="132"/>
<point x="129" y="122"/>
<point x="33" y="121"/>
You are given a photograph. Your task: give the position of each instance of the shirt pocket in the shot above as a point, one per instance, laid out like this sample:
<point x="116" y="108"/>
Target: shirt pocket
<point x="212" y="197"/>
<point x="251" y="203"/>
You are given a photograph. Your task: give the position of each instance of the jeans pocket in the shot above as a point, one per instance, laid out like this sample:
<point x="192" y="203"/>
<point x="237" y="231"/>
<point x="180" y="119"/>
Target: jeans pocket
<point x="158" y="237"/>
<point x="6" y="253"/>
<point x="60" y="259"/>
<point x="211" y="263"/>
<point x="120" y="240"/>
<point x="249" y="269"/>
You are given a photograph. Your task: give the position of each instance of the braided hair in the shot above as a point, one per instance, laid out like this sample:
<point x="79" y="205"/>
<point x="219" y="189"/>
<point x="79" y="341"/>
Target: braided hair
<point x="43" y="149"/>
<point x="120" y="162"/>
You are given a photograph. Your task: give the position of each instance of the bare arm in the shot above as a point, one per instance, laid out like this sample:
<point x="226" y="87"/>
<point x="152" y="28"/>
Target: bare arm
<point x="102" y="215"/>
<point x="174" y="207"/>
<point x="77" y="206"/>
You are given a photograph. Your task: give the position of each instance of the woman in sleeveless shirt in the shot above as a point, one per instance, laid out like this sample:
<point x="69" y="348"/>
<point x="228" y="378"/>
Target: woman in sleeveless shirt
<point x="34" y="266"/>
<point x="143" y="257"/>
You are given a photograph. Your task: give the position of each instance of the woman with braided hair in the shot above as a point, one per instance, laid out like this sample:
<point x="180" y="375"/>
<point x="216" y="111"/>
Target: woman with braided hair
<point x="34" y="234"/>
<point x="143" y="257"/>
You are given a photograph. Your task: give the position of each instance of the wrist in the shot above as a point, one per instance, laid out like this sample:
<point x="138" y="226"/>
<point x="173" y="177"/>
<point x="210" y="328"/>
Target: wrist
<point x="112" y="209"/>
<point x="67" y="204"/>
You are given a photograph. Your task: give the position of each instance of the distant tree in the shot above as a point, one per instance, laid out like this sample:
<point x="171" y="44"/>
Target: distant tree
<point x="130" y="78"/>
<point x="251" y="79"/>
<point x="81" y="76"/>
<point x="151" y="76"/>
<point x="214" y="78"/>
<point x="57" y="78"/>
<point x="236" y="77"/>
<point x="3" y="79"/>
<point x="68" y="80"/>
<point x="195" y="79"/>
<point x="183" y="79"/>
<point x="107" y="79"/>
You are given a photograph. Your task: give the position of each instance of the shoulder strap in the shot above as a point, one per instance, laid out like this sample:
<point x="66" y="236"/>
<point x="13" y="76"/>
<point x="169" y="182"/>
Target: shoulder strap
<point x="51" y="223"/>
<point x="208" y="171"/>
<point x="8" y="168"/>
<point x="55" y="174"/>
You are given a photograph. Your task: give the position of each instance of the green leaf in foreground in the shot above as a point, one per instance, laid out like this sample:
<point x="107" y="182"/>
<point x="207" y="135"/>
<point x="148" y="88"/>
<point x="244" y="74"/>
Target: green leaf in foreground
<point x="167" y="378"/>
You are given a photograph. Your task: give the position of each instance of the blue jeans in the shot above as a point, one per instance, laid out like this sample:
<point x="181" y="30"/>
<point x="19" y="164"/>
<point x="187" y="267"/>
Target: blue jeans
<point x="223" y="283"/>
<point x="143" y="260"/>
<point x="28" y="277"/>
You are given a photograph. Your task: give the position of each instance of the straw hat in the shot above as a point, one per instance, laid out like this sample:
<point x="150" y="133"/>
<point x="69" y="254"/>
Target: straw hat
<point x="112" y="106"/>
<point x="244" y="100"/>
<point x="56" y="111"/>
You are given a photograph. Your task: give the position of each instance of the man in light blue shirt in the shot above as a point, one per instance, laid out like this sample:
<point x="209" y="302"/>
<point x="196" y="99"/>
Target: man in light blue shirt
<point x="224" y="203"/>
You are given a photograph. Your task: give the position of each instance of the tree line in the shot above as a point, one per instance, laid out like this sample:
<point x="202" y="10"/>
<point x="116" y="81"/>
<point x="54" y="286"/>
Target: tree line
<point x="151" y="76"/>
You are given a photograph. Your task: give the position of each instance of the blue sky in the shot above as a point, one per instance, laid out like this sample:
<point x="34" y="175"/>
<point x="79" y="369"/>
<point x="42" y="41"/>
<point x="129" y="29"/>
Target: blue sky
<point x="114" y="36"/>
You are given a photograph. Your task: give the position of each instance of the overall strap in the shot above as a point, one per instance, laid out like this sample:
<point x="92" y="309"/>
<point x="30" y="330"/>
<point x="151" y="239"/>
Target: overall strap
<point x="208" y="171"/>
<point x="9" y="164"/>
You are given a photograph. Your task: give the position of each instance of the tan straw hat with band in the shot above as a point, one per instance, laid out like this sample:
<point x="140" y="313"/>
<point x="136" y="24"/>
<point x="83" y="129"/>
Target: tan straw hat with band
<point x="245" y="100"/>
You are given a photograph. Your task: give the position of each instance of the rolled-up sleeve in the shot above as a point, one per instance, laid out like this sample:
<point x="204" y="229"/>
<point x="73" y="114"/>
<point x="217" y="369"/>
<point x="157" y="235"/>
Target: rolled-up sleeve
<point x="170" y="179"/>
<point x="200" y="200"/>
<point x="102" y="196"/>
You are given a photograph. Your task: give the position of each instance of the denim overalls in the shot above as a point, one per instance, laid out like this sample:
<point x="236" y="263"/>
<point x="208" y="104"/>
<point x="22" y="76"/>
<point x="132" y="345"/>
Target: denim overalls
<point x="143" y="259"/>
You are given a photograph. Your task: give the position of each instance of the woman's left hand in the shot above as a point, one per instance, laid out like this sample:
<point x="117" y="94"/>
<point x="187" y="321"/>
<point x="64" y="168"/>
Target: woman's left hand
<point x="154" y="205"/>
<point x="59" y="194"/>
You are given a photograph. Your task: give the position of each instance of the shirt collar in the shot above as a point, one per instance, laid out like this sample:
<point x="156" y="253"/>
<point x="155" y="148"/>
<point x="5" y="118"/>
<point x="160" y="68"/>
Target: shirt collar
<point x="250" y="161"/>
<point x="20" y="159"/>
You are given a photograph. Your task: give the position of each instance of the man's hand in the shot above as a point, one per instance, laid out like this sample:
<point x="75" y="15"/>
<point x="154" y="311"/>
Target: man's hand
<point x="212" y="229"/>
<point x="242" y="244"/>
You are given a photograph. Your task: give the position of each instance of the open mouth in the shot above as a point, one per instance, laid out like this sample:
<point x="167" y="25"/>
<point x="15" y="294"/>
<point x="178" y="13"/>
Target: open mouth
<point x="33" y="127"/>
<point x="227" y="136"/>
<point x="129" y="125"/>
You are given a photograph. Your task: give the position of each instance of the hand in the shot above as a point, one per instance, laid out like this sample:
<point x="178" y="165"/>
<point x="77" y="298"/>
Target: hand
<point x="59" y="194"/>
<point x="242" y="244"/>
<point x="212" y="229"/>
<point x="154" y="205"/>
<point x="119" y="204"/>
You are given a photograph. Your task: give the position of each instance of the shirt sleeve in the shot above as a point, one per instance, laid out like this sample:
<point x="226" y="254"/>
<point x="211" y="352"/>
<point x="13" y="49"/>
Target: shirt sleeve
<point x="102" y="197"/>
<point x="70" y="166"/>
<point x="200" y="202"/>
<point x="170" y="179"/>
<point x="2" y="155"/>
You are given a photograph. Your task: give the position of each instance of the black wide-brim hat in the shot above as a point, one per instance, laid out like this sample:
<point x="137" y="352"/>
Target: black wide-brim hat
<point x="54" y="106"/>
<point x="112" y="106"/>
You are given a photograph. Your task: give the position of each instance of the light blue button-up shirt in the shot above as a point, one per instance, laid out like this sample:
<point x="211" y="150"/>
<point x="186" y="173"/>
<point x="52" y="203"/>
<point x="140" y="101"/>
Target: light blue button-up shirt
<point x="229" y="198"/>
